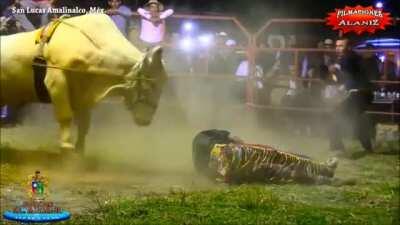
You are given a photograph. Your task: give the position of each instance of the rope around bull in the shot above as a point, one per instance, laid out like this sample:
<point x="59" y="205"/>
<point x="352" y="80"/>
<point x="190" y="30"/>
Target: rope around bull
<point x="61" y="20"/>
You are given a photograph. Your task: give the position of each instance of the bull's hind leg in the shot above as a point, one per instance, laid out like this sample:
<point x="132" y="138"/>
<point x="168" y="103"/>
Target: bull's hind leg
<point x="83" y="121"/>
<point x="57" y="86"/>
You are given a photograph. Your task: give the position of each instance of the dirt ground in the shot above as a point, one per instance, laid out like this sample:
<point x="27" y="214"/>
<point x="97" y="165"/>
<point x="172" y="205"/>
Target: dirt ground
<point x="123" y="159"/>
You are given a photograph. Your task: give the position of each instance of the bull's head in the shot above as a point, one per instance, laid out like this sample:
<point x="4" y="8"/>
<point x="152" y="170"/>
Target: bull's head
<point x="142" y="87"/>
<point x="145" y="82"/>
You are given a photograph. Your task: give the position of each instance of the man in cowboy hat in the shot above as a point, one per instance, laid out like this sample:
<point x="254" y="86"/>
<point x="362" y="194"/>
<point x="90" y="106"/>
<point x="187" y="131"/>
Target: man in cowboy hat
<point x="153" y="22"/>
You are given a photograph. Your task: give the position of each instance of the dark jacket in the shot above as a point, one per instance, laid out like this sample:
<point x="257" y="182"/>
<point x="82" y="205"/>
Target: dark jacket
<point x="370" y="67"/>
<point x="352" y="72"/>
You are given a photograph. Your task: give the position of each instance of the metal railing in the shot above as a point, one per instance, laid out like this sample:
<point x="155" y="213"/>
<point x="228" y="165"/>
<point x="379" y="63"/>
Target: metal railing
<point x="252" y="50"/>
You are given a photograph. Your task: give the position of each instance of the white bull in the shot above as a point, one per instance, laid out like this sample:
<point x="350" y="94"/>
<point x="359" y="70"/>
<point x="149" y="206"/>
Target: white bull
<point x="87" y="59"/>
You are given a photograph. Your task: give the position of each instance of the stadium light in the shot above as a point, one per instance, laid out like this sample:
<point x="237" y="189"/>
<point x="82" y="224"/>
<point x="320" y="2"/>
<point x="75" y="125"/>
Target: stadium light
<point x="188" y="26"/>
<point x="382" y="58"/>
<point x="379" y="5"/>
<point x="390" y="45"/>
<point x="187" y="44"/>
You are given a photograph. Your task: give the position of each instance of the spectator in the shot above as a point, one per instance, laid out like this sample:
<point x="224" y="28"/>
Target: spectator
<point x="153" y="23"/>
<point x="287" y="57"/>
<point x="4" y="4"/>
<point x="120" y="14"/>
<point x="391" y="67"/>
<point x="242" y="73"/>
<point x="16" y="22"/>
<point x="42" y="4"/>
<point x="352" y="107"/>
<point x="243" y="70"/>
<point x="272" y="63"/>
<point x="349" y="67"/>
<point x="325" y="61"/>
<point x="319" y="64"/>
<point x="370" y="64"/>
<point x="297" y="96"/>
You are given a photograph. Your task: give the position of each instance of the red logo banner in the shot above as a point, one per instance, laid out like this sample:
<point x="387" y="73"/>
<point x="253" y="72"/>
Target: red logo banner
<point x="358" y="19"/>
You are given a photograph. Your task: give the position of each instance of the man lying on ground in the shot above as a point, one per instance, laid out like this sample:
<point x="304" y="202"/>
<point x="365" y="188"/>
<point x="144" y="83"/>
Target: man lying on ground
<point x="228" y="159"/>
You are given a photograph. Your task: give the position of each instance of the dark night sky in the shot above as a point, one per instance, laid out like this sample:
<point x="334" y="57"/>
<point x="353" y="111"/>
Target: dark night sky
<point x="253" y="12"/>
<point x="270" y="8"/>
<point x="255" y="9"/>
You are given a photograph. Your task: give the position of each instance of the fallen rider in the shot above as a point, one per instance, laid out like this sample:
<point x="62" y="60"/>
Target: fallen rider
<point x="228" y="159"/>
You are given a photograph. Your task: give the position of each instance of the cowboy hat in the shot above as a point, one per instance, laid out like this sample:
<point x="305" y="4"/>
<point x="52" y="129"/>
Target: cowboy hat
<point x="156" y="2"/>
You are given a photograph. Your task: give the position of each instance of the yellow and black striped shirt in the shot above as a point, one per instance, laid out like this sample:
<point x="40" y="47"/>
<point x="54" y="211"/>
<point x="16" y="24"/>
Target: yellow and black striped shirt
<point x="249" y="162"/>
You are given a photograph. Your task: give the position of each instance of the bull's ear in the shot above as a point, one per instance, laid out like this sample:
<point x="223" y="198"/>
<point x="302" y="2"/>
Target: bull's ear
<point x="156" y="56"/>
<point x="153" y="56"/>
<point x="156" y="66"/>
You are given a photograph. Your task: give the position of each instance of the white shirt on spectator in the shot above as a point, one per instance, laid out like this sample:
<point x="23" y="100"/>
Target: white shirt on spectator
<point x="150" y="32"/>
<point x="243" y="69"/>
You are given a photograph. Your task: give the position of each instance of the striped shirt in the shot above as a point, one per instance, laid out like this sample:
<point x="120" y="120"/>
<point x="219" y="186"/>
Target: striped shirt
<point x="247" y="162"/>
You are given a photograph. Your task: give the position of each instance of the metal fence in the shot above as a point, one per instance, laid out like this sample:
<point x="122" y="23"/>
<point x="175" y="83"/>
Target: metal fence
<point x="251" y="49"/>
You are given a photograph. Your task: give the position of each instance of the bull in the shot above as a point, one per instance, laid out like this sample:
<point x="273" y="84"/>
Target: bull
<point x="84" y="60"/>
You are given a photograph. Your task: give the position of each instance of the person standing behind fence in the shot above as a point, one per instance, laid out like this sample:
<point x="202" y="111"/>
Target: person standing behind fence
<point x="352" y="108"/>
<point x="120" y="14"/>
<point x="153" y="23"/>
<point x="370" y="64"/>
<point x="19" y="20"/>
<point x="39" y="4"/>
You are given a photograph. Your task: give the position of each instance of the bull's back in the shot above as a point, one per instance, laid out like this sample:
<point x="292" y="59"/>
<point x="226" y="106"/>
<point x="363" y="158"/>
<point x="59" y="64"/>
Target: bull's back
<point x="16" y="75"/>
<point x="91" y="42"/>
<point x="88" y="44"/>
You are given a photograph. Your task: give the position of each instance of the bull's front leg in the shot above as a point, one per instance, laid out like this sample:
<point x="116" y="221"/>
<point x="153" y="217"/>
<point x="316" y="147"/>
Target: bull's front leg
<point x="57" y="86"/>
<point x="83" y="121"/>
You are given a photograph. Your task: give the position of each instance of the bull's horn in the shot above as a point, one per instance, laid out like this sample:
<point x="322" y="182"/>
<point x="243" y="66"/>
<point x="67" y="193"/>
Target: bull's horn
<point x="111" y="89"/>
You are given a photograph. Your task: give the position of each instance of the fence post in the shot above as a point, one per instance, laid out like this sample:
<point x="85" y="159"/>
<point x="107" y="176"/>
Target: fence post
<point x="251" y="56"/>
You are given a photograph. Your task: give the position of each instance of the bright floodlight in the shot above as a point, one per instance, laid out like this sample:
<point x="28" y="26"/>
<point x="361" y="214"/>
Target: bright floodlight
<point x="205" y="40"/>
<point x="188" y="26"/>
<point x="382" y="58"/>
<point x="379" y="5"/>
<point x="187" y="44"/>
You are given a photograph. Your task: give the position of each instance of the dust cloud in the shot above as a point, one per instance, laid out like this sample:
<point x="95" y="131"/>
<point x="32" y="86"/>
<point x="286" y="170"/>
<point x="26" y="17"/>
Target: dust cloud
<point x="118" y="151"/>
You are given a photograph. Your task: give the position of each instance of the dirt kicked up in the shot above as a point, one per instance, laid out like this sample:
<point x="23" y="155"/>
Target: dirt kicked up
<point x="128" y="170"/>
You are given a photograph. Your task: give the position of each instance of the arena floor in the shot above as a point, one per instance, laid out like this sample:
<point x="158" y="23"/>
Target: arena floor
<point x="124" y="160"/>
